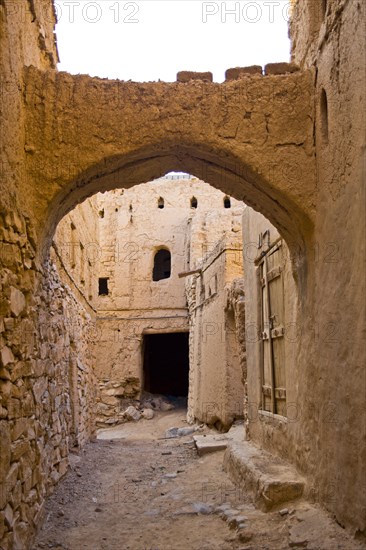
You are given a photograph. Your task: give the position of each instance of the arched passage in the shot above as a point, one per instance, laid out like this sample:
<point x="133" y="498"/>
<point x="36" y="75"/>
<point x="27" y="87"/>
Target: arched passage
<point x="140" y="131"/>
<point x="222" y="170"/>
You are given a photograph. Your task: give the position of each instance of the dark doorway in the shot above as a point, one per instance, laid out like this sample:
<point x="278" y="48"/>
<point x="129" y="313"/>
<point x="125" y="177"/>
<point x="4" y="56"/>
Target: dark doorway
<point x="162" y="265"/>
<point x="166" y="363"/>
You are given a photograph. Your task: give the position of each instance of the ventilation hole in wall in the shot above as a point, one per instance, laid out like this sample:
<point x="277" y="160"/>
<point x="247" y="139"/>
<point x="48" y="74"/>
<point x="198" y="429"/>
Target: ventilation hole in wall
<point x="73" y="226"/>
<point x="81" y="246"/>
<point x="194" y="202"/>
<point x="103" y="286"/>
<point x="116" y="210"/>
<point x="160" y="202"/>
<point x="101" y="213"/>
<point x="162" y="265"/>
<point x="324" y="115"/>
<point x="130" y="208"/>
<point x="227" y="202"/>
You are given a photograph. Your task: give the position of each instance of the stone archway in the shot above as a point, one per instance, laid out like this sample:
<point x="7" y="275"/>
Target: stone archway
<point x="251" y="138"/>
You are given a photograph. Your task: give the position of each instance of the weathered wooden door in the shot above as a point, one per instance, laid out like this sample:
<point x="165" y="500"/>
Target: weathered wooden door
<point x="272" y="344"/>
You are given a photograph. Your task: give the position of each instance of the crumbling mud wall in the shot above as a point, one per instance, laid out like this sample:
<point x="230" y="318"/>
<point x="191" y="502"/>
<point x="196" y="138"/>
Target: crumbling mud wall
<point x="330" y="36"/>
<point x="183" y="215"/>
<point x="38" y="335"/>
<point x="296" y="156"/>
<point x="216" y="394"/>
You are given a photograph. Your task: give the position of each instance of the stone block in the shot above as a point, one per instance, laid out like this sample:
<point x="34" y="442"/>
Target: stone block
<point x="4" y="374"/>
<point x="270" y="480"/>
<point x="2" y="524"/>
<point x="20" y="426"/>
<point x="210" y="443"/>
<point x="9" y="516"/>
<point x="240" y="72"/>
<point x="39" y="388"/>
<point x="16" y="495"/>
<point x="6" y="356"/>
<point x="5" y="453"/>
<point x="18" y="449"/>
<point x="187" y="76"/>
<point x="12" y="476"/>
<point x="15" y="409"/>
<point x="21" y="535"/>
<point x="280" y="68"/>
<point x="17" y="301"/>
<point x="131" y="413"/>
<point x="148" y="414"/>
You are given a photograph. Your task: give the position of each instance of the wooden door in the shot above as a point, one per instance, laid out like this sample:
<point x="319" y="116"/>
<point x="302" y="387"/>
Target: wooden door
<point x="272" y="356"/>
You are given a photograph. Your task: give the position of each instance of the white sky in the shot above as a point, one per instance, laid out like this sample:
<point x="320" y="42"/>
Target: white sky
<point x="154" y="39"/>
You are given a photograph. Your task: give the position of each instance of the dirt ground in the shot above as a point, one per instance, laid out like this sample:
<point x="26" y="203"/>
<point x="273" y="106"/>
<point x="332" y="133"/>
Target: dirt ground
<point x="133" y="490"/>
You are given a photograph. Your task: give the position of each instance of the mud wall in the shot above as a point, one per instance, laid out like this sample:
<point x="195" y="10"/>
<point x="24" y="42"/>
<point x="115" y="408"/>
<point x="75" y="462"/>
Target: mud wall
<point x="335" y="379"/>
<point x="186" y="216"/>
<point x="37" y="329"/>
<point x="216" y="387"/>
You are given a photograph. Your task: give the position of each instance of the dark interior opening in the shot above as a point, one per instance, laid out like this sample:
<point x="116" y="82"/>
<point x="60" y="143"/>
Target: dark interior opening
<point x="227" y="202"/>
<point x="162" y="265"/>
<point x="166" y="363"/>
<point x="103" y="286"/>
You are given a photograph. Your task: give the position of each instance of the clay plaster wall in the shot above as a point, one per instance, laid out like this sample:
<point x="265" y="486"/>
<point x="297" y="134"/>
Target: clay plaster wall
<point x="216" y="387"/>
<point x="269" y="162"/>
<point x="335" y="377"/>
<point x="132" y="229"/>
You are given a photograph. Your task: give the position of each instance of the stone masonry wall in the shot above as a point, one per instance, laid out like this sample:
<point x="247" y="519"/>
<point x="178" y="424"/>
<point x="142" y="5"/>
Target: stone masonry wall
<point x="44" y="333"/>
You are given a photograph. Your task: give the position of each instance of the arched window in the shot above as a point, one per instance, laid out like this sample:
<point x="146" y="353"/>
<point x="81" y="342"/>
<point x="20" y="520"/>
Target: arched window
<point x="160" y="202"/>
<point x="162" y="265"/>
<point x="194" y="202"/>
<point x="227" y="202"/>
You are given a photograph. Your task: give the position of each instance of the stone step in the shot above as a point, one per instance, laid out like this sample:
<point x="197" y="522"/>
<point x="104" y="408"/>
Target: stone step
<point x="269" y="479"/>
<point x="210" y="443"/>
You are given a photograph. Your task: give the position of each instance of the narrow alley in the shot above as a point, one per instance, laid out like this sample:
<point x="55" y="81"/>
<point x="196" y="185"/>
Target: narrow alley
<point x="135" y="489"/>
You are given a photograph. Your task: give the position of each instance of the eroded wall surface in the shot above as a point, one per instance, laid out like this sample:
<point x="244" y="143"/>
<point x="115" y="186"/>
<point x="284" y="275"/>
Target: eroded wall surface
<point x="132" y="229"/>
<point x="334" y="382"/>
<point x="216" y="380"/>
<point x="37" y="311"/>
<point x="269" y="160"/>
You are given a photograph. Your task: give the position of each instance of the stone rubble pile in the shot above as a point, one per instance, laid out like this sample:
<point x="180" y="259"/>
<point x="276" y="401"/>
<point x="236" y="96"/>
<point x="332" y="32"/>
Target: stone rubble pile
<point x="128" y="409"/>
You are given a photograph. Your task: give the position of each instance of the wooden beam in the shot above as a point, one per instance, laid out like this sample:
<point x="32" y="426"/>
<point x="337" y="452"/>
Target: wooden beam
<point x="187" y="273"/>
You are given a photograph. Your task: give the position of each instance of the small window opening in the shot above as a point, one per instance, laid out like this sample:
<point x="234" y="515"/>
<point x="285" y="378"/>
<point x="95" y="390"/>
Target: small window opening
<point x="116" y="209"/>
<point x="227" y="202"/>
<point x="160" y="202"/>
<point x="130" y="208"/>
<point x="194" y="202"/>
<point x="162" y="265"/>
<point x="324" y="115"/>
<point x="101" y="213"/>
<point x="103" y="286"/>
